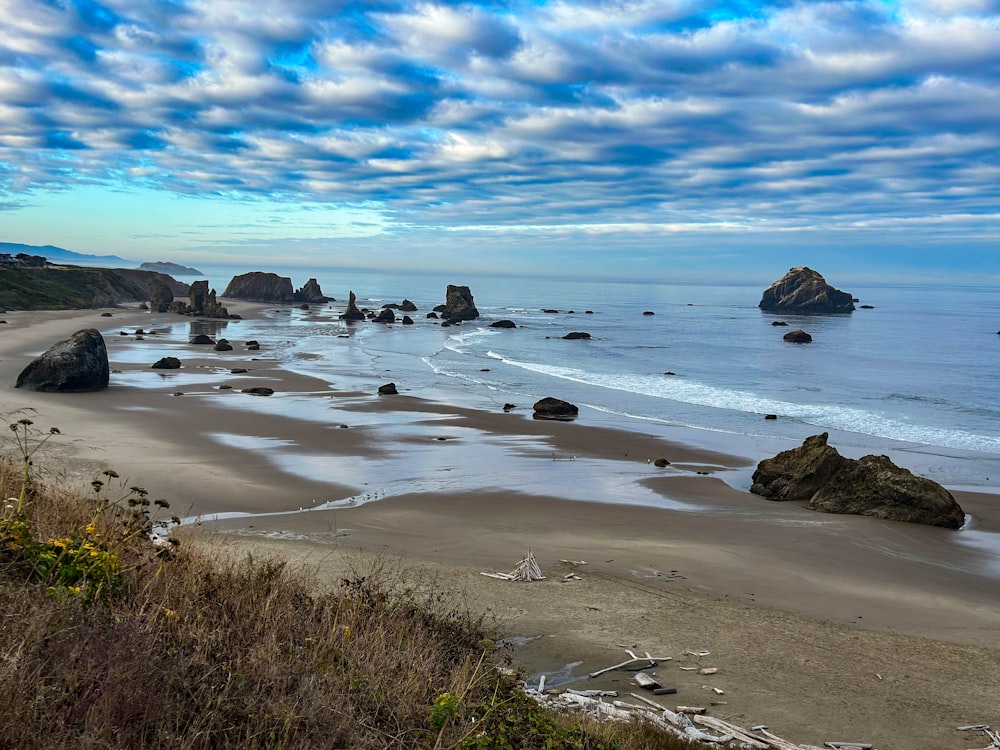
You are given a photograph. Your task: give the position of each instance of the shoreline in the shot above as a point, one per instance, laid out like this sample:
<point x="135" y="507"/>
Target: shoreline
<point x="467" y="491"/>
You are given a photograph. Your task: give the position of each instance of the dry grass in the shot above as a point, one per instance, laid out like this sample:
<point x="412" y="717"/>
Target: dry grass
<point x="189" y="650"/>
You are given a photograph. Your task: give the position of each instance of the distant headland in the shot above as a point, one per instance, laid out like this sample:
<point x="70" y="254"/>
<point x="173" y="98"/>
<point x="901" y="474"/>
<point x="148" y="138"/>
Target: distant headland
<point x="173" y="269"/>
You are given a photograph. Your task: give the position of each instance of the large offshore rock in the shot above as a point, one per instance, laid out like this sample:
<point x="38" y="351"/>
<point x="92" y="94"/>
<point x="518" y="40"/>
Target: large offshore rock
<point x="869" y="486"/>
<point x="459" y="304"/>
<point x="259" y="286"/>
<point x="78" y="364"/>
<point x="804" y="290"/>
<point x="311" y="292"/>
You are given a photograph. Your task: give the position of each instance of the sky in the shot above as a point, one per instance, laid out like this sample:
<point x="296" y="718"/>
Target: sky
<point x="639" y="139"/>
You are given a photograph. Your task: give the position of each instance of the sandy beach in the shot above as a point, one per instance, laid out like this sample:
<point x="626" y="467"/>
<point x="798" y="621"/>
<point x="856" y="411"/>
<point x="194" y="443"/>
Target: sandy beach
<point x="825" y="628"/>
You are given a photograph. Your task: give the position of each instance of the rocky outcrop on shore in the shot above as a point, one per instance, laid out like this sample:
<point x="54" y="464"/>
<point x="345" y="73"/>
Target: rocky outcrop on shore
<point x="804" y="290"/>
<point x="870" y="486"/>
<point x="78" y="364"/>
<point x="161" y="296"/>
<point x="260" y="286"/>
<point x="311" y="292"/>
<point x="201" y="302"/>
<point x="459" y="305"/>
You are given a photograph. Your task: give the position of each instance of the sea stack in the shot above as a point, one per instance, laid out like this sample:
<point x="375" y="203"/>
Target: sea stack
<point x="803" y="290"/>
<point x="459" y="305"/>
<point x="259" y="286"/>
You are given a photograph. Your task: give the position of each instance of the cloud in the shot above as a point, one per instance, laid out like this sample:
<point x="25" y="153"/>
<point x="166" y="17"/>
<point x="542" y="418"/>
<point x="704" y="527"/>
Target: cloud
<point x="785" y="115"/>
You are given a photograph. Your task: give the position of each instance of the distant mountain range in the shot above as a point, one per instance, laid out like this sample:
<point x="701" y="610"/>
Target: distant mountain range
<point x="57" y="254"/>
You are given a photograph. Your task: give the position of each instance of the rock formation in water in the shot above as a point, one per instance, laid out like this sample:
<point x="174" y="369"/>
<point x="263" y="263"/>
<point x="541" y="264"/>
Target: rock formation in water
<point x="259" y="286"/>
<point x="804" y="290"/>
<point x="78" y="364"/>
<point x="459" y="304"/>
<point x="869" y="486"/>
<point x="352" y="312"/>
<point x="201" y="302"/>
<point x="798" y="336"/>
<point x="311" y="292"/>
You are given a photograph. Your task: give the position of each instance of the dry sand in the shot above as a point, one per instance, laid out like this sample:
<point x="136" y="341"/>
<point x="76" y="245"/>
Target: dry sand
<point x="822" y="627"/>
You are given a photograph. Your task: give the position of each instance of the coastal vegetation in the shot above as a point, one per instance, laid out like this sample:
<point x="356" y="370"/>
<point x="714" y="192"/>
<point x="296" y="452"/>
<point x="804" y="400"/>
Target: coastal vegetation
<point x="115" y="634"/>
<point x="74" y="287"/>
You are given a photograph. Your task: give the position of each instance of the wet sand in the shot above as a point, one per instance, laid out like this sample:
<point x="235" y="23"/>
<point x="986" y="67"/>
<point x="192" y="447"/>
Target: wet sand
<point x="823" y="627"/>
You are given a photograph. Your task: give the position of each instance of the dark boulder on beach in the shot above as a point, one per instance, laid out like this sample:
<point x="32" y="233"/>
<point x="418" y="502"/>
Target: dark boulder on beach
<point x="407" y="320"/>
<point x="779" y="323"/>
<point x="804" y="290"/>
<point x="798" y="336"/>
<point x="875" y="486"/>
<point x="799" y="473"/>
<point x="311" y="292"/>
<point x="572" y="335"/>
<point x="389" y="389"/>
<point x="870" y="486"/>
<point x="166" y="363"/>
<point x="503" y="324"/>
<point x="78" y="364"/>
<point x="259" y="390"/>
<point x="201" y="338"/>
<point x="648" y="312"/>
<point x="661" y="463"/>
<point x="386" y="316"/>
<point x="352" y="312"/>
<point x="459" y="304"/>
<point x="554" y="408"/>
<point x="222" y="345"/>
<point x="260" y="286"/>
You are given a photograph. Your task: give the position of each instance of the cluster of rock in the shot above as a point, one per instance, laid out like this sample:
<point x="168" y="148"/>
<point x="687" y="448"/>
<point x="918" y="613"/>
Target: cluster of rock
<point x="870" y="486"/>
<point x="803" y="290"/>
<point x="201" y="302"/>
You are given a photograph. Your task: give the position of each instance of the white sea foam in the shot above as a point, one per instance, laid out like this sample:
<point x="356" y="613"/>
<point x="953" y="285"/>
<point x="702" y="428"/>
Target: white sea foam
<point x="827" y="416"/>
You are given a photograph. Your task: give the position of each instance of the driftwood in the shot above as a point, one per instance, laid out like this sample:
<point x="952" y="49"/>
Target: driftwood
<point x="651" y="661"/>
<point x="526" y="570"/>
<point x="645" y="681"/>
<point x="992" y="734"/>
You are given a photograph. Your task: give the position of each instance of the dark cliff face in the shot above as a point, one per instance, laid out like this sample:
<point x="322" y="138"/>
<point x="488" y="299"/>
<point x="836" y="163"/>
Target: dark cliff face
<point x="258" y="286"/>
<point x="804" y="290"/>
<point x="76" y="288"/>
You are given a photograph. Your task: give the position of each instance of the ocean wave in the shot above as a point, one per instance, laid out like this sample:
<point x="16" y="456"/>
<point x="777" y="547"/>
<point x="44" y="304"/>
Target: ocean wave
<point x="827" y="416"/>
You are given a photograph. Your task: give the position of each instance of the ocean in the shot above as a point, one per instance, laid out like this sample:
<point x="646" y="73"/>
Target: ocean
<point x="916" y="377"/>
